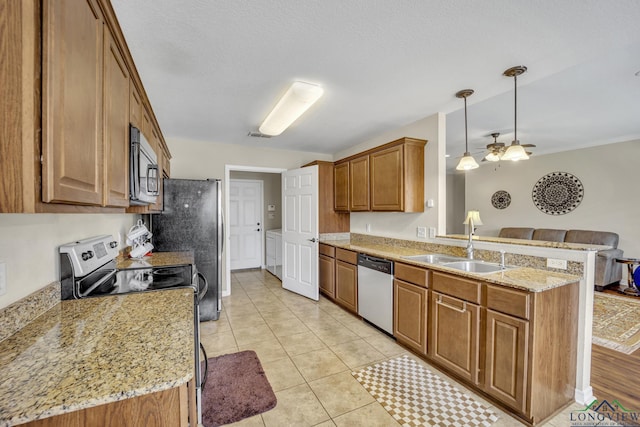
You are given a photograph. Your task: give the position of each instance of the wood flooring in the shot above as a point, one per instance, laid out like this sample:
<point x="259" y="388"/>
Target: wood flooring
<point x="615" y="375"/>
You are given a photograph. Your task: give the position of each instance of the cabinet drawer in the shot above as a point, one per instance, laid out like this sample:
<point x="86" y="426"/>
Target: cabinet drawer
<point x="508" y="301"/>
<point x="466" y="289"/>
<point x="412" y="274"/>
<point x="347" y="256"/>
<point x="327" y="250"/>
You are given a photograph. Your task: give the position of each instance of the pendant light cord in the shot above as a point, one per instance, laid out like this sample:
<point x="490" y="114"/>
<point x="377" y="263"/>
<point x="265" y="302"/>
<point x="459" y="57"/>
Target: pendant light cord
<point x="515" y="109"/>
<point x="466" y="139"/>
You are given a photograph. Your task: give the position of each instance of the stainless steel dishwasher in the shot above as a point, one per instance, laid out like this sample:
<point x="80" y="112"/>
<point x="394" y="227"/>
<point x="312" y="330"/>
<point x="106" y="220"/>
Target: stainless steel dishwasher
<point x="375" y="291"/>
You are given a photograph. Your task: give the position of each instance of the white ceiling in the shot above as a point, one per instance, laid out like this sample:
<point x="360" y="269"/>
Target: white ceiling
<point x="213" y="69"/>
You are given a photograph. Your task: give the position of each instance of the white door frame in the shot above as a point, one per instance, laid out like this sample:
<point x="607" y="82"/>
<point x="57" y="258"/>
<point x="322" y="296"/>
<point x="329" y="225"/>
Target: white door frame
<point x="226" y="288"/>
<point x="261" y="214"/>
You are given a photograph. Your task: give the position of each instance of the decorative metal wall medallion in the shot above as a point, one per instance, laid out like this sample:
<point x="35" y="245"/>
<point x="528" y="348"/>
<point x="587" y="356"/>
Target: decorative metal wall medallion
<point x="557" y="193"/>
<point x="501" y="199"/>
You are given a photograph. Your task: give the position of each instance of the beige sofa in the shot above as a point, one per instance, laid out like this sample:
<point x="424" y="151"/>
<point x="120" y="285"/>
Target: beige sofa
<point x="608" y="271"/>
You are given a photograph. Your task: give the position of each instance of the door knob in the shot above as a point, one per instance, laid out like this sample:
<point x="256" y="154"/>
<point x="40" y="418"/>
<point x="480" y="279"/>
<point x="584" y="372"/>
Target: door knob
<point x="313" y="240"/>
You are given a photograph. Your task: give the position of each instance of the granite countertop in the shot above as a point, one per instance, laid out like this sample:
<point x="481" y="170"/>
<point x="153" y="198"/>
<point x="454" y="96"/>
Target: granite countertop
<point x="526" y="242"/>
<point x="156" y="259"/>
<point x="88" y="352"/>
<point x="524" y="278"/>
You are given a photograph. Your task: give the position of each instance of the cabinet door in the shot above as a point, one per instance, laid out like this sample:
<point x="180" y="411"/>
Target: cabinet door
<point x="72" y="157"/>
<point x="341" y="187"/>
<point x="387" y="179"/>
<point x="271" y="253"/>
<point x="410" y="315"/>
<point x="135" y="107"/>
<point x="359" y="184"/>
<point x="454" y="335"/>
<point x="506" y="359"/>
<point x="116" y="125"/>
<point x="347" y="285"/>
<point x="327" y="270"/>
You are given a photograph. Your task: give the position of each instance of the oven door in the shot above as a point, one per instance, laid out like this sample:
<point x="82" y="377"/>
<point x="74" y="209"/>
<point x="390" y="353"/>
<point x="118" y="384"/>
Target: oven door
<point x="101" y="282"/>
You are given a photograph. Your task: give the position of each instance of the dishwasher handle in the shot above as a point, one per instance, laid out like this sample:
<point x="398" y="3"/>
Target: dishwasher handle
<point x="374" y="263"/>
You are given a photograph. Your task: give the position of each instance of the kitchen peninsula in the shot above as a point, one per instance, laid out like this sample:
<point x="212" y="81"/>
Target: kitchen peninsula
<point x="124" y="358"/>
<point x="495" y="332"/>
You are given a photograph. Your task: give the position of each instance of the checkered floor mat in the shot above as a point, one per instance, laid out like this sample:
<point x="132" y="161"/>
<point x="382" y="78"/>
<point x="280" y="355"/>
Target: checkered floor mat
<point x="414" y="396"/>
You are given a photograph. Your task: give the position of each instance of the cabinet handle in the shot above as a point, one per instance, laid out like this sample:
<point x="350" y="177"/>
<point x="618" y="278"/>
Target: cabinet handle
<point x="452" y="307"/>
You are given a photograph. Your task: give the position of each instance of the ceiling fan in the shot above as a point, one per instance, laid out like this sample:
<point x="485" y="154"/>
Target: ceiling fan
<point x="497" y="149"/>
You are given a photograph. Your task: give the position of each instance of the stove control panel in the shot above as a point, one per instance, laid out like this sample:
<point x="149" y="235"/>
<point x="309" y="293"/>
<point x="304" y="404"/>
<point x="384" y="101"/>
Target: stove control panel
<point x="89" y="254"/>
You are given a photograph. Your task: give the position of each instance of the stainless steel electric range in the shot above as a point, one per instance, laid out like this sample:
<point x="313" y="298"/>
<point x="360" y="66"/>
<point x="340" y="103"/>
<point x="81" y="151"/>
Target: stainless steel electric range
<point x="88" y="269"/>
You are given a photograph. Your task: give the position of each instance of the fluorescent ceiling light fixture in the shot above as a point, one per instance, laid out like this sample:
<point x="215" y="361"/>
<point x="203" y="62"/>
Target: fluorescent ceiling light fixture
<point x="296" y="100"/>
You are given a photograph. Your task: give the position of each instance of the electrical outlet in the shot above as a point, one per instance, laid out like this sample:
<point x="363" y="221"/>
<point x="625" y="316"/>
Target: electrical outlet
<point x="368" y="228"/>
<point x="3" y="278"/>
<point x="557" y="263"/>
<point x="432" y="232"/>
<point x="422" y="232"/>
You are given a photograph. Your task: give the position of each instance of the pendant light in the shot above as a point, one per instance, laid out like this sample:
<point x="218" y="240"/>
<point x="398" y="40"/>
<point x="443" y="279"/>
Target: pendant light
<point x="515" y="151"/>
<point x="467" y="162"/>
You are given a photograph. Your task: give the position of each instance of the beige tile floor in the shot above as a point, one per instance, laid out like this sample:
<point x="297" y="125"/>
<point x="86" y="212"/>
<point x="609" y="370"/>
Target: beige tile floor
<point x="308" y="350"/>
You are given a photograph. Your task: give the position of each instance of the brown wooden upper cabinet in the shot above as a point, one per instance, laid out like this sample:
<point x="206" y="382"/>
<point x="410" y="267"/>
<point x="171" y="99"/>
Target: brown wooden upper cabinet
<point x="385" y="178"/>
<point x="74" y="91"/>
<point x="72" y="133"/>
<point x="359" y="184"/>
<point x="341" y="186"/>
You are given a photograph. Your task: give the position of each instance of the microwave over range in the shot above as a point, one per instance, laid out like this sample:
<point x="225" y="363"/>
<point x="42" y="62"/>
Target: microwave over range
<point x="144" y="184"/>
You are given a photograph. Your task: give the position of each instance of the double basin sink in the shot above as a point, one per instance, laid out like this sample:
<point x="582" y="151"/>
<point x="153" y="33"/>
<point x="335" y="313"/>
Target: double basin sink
<point x="462" y="264"/>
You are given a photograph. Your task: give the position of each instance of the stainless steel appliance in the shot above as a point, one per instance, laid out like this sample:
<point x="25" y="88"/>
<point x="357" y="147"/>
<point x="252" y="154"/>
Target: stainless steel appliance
<point x="192" y="220"/>
<point x="88" y="269"/>
<point x="144" y="185"/>
<point x="375" y="291"/>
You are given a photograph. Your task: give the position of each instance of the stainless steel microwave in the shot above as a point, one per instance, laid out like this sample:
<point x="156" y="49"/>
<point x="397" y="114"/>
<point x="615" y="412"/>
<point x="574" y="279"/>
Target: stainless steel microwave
<point x="144" y="185"/>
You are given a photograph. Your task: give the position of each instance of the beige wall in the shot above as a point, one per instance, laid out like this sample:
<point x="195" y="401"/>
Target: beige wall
<point x="455" y="203"/>
<point x="29" y="245"/>
<point x="609" y="174"/>
<point x="206" y="159"/>
<point x="403" y="225"/>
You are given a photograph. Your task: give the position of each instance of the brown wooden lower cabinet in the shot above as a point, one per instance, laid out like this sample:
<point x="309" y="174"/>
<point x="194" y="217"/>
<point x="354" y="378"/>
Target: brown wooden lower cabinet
<point x="506" y="353"/>
<point x="347" y="285"/>
<point x="168" y="408"/>
<point x="455" y="332"/>
<point x="410" y="315"/>
<point x="327" y="275"/>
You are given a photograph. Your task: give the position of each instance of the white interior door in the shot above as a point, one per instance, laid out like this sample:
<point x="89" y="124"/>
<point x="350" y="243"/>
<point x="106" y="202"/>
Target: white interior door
<point x="245" y="224"/>
<point x="300" y="231"/>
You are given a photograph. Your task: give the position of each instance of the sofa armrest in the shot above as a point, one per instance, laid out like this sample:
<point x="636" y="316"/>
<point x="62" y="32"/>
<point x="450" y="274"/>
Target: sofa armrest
<point x="608" y="271"/>
<point x="610" y="253"/>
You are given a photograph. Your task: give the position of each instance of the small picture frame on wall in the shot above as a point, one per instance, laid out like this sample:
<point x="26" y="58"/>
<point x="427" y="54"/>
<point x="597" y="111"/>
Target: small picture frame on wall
<point x="501" y="199"/>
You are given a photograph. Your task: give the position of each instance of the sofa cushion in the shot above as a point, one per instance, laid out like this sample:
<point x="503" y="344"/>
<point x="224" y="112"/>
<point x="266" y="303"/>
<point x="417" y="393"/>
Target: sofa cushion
<point x="516" y="233"/>
<point x="549" y="235"/>
<point x="592" y="237"/>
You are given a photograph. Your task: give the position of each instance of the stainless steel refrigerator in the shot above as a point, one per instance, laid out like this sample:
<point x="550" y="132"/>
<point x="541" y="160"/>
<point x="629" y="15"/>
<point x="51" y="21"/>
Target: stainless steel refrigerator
<point x="192" y="220"/>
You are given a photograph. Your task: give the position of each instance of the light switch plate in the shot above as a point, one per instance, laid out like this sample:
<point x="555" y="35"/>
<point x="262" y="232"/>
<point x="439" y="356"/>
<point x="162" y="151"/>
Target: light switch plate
<point x="3" y="278"/>
<point x="421" y="232"/>
<point x="368" y="228"/>
<point x="432" y="232"/>
<point x="557" y="263"/>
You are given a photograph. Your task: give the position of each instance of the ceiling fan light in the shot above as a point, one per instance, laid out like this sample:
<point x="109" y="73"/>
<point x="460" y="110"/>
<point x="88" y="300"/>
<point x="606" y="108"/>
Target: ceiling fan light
<point x="296" y="100"/>
<point x="492" y="157"/>
<point x="515" y="152"/>
<point x="467" y="163"/>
